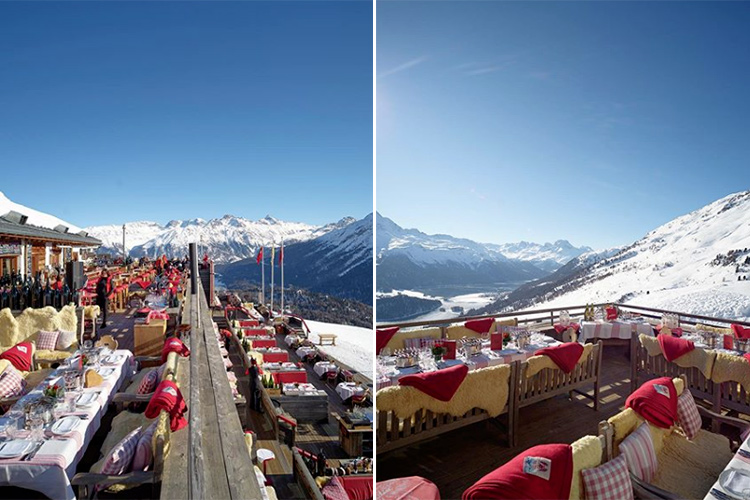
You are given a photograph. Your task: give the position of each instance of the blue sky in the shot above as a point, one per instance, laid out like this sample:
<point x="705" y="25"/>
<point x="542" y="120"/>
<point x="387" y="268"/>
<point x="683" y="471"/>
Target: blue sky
<point x="121" y="111"/>
<point x="591" y="121"/>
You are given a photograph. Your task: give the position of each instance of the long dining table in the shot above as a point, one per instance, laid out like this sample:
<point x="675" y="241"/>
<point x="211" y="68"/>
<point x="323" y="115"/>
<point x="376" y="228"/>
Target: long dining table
<point x="53" y="461"/>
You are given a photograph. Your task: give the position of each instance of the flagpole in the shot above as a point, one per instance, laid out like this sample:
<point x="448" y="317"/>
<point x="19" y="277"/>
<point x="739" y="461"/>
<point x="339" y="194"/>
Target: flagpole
<point x="262" y="277"/>
<point x="273" y="254"/>
<point x="281" y="258"/>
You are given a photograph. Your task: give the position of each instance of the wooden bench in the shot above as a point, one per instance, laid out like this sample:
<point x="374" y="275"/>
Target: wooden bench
<point x="326" y="337"/>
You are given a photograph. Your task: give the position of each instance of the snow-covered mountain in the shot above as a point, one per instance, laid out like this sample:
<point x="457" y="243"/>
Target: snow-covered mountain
<point x="227" y="239"/>
<point x="412" y="260"/>
<point x="697" y="263"/>
<point x="338" y="262"/>
<point x="546" y="256"/>
<point x="35" y="217"/>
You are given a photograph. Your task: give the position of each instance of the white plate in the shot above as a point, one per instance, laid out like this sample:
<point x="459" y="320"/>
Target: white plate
<point x="65" y="425"/>
<point x="86" y="399"/>
<point x="113" y="359"/>
<point x="106" y="372"/>
<point x="735" y="482"/>
<point x="15" y="448"/>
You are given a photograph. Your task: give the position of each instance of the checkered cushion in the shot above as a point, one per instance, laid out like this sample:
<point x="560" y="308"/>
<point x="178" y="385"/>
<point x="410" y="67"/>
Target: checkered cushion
<point x="687" y="414"/>
<point x="609" y="481"/>
<point x="47" y="340"/>
<point x="143" y="457"/>
<point x="638" y="449"/>
<point x="65" y="340"/>
<point x="12" y="383"/>
<point x="148" y="382"/>
<point x="120" y="457"/>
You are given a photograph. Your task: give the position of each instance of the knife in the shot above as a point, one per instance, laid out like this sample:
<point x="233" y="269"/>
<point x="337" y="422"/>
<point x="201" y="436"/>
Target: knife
<point x="33" y="452"/>
<point x="721" y="495"/>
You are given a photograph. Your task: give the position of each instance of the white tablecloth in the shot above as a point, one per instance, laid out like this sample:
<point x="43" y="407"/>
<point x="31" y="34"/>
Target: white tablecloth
<point x="50" y="470"/>
<point x="617" y="329"/>
<point x="738" y="462"/>
<point x="291" y="339"/>
<point x="349" y="389"/>
<point x="323" y="367"/>
<point x="302" y="352"/>
<point x="276" y="366"/>
<point x="305" y="389"/>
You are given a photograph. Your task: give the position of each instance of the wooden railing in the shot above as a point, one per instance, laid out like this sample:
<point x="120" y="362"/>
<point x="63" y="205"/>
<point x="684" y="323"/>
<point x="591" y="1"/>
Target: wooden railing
<point x="550" y="315"/>
<point x="209" y="458"/>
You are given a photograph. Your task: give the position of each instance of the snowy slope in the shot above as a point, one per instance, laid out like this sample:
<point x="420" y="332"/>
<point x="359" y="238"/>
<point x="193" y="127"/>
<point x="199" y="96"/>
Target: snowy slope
<point x="354" y="345"/>
<point x="227" y="239"/>
<point x="690" y="264"/>
<point x="35" y="217"/>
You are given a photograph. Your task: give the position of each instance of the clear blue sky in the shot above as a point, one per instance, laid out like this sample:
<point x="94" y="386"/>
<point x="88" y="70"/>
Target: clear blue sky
<point x="121" y="111"/>
<point x="591" y="121"/>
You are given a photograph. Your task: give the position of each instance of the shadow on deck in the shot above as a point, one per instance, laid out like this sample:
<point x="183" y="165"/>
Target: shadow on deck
<point x="456" y="460"/>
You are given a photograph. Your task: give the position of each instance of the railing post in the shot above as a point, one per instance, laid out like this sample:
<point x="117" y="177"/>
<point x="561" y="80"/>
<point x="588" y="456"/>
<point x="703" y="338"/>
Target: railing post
<point x="195" y="455"/>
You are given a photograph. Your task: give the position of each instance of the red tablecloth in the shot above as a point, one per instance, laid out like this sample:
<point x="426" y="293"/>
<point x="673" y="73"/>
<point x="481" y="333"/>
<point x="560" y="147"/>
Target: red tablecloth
<point x="249" y="323"/>
<point x="263" y="342"/>
<point x="290" y="377"/>
<point x="275" y="357"/>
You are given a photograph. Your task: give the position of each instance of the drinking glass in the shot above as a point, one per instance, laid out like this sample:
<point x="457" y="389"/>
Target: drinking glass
<point x="88" y="345"/>
<point x="36" y="424"/>
<point x="15" y="424"/>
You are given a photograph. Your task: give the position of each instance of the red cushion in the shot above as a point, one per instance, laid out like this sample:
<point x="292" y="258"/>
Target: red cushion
<point x="383" y="336"/>
<point x="440" y="384"/>
<point x="674" y="347"/>
<point x="480" y="325"/>
<point x="560" y="328"/>
<point x="20" y="356"/>
<point x="357" y="487"/>
<point x="609" y="481"/>
<point x="611" y="313"/>
<point x="649" y="402"/>
<point x="565" y="356"/>
<point x="408" y="488"/>
<point x="511" y="482"/>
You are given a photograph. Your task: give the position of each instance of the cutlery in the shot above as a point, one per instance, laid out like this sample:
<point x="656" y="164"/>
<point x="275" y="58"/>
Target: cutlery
<point x="33" y="452"/>
<point x="720" y="494"/>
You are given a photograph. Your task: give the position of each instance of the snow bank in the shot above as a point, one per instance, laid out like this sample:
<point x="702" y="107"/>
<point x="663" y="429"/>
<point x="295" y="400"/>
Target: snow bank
<point x="355" y="346"/>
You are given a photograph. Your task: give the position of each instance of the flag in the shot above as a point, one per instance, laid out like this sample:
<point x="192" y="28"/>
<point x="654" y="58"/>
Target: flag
<point x="281" y="254"/>
<point x="260" y="256"/>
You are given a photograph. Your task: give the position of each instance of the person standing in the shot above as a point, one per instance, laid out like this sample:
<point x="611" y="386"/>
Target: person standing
<point x="103" y="289"/>
<point x="255" y="394"/>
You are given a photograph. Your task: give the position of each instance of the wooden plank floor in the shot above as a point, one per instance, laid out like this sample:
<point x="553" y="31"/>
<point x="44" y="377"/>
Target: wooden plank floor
<point x="456" y="460"/>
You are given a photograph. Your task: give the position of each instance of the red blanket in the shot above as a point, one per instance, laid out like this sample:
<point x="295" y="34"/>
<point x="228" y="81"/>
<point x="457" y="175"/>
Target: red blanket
<point x="20" y="356"/>
<point x="156" y="315"/>
<point x="143" y="284"/>
<point x="480" y="325"/>
<point x="440" y="384"/>
<point x="383" y="336"/>
<point x="168" y="397"/>
<point x="674" y="347"/>
<point x="275" y="357"/>
<point x="289" y="377"/>
<point x="560" y="328"/>
<point x="656" y="401"/>
<point x="565" y="356"/>
<point x="357" y="487"/>
<point x="741" y="332"/>
<point x="174" y="345"/>
<point x="541" y="472"/>
<point x="264" y="343"/>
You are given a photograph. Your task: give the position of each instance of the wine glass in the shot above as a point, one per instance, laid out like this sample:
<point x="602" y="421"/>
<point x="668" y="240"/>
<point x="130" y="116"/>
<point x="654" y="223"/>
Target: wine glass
<point x="36" y="423"/>
<point x="88" y="344"/>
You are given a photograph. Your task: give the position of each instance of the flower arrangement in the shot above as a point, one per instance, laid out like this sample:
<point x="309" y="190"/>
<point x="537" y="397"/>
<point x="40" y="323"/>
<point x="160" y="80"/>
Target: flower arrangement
<point x="438" y="350"/>
<point x="506" y="338"/>
<point x="52" y="391"/>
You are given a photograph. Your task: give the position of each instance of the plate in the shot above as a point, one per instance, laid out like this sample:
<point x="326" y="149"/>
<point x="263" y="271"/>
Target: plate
<point x="65" y="425"/>
<point x="113" y="359"/>
<point x="735" y="482"/>
<point x="16" y="448"/>
<point x="86" y="399"/>
<point x="106" y="372"/>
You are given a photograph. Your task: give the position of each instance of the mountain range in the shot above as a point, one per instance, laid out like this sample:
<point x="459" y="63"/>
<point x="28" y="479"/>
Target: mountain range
<point x="335" y="258"/>
<point x="412" y="260"/>
<point x="697" y="263"/>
